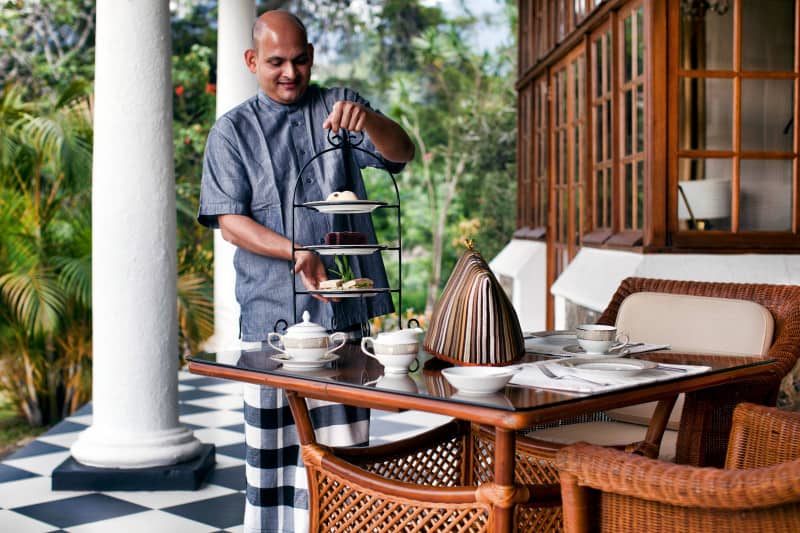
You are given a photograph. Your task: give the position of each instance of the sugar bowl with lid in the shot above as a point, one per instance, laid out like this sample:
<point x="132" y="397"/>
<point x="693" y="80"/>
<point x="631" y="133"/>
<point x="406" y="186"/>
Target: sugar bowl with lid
<point x="307" y="341"/>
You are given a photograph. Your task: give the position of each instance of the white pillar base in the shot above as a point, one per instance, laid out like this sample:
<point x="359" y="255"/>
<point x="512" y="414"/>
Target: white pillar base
<point x="104" y="449"/>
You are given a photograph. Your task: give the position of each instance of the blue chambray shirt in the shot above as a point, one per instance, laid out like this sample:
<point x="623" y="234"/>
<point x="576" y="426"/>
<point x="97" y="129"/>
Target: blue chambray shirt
<point x="253" y="156"/>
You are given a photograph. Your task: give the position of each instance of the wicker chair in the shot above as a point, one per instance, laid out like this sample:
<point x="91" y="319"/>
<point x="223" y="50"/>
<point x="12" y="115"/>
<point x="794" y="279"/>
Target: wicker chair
<point x="420" y="484"/>
<point x="706" y="417"/>
<point x="759" y="490"/>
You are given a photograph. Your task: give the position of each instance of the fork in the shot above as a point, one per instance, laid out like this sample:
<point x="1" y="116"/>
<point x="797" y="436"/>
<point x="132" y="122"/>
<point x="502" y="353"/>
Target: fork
<point x="549" y="373"/>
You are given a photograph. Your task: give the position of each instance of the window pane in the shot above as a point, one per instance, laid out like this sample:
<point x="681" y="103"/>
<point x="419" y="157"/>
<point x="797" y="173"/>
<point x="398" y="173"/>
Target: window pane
<point x="576" y="154"/>
<point x="580" y="87"/>
<point x="706" y="114"/>
<point x="640" y="41"/>
<point x="706" y="38"/>
<point x="765" y="194"/>
<point x="628" y="57"/>
<point x="629" y="188"/>
<point x="607" y="192"/>
<point x="598" y="126"/>
<point x="768" y="35"/>
<point x="639" y="194"/>
<point x="628" y="123"/>
<point x="767" y="110"/>
<point x="640" y="119"/>
<point x="608" y="129"/>
<point x="576" y="220"/>
<point x="597" y="198"/>
<point x="597" y="58"/>
<point x="543" y="203"/>
<point x="609" y="62"/>
<point x="704" y="194"/>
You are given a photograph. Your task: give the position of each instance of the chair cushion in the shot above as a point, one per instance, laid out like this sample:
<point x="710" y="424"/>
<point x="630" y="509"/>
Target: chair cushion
<point x="687" y="323"/>
<point x="697" y="323"/>
<point x="606" y="434"/>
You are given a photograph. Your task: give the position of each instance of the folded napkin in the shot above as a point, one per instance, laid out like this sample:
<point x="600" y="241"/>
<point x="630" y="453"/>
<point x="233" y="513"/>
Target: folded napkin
<point x="530" y="375"/>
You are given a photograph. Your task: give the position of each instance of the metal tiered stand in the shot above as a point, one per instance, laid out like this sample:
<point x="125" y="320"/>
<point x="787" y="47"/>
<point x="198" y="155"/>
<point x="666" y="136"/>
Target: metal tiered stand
<point x="347" y="142"/>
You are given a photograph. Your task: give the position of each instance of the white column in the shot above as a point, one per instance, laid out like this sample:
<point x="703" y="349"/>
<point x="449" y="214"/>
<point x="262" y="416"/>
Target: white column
<point x="235" y="84"/>
<point x="134" y="274"/>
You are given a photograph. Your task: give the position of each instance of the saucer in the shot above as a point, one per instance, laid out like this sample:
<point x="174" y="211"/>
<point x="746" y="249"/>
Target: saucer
<point x="292" y="364"/>
<point x="610" y="367"/>
<point x="577" y="350"/>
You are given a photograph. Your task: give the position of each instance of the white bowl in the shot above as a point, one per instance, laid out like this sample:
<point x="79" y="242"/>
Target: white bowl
<point x="478" y="379"/>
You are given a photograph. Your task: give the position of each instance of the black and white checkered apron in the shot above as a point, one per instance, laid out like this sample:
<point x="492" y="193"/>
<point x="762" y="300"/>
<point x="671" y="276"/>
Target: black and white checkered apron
<point x="277" y="486"/>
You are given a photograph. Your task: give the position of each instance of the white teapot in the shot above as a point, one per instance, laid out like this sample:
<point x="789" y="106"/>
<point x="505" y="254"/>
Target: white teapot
<point x="307" y="341"/>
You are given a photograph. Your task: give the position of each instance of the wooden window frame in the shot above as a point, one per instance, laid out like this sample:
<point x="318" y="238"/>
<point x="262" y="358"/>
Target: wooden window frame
<point x="564" y="235"/>
<point x="733" y="239"/>
<point x="599" y="233"/>
<point x="621" y="234"/>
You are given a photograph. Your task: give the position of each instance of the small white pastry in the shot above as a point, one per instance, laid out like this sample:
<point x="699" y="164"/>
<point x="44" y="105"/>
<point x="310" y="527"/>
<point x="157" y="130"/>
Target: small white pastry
<point x="341" y="196"/>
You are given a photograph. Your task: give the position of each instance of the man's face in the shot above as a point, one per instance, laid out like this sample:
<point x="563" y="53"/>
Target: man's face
<point x="282" y="65"/>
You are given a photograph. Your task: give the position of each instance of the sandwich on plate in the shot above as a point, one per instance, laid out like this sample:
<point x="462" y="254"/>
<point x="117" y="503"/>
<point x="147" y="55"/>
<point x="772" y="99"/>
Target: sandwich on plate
<point x="330" y="285"/>
<point x="358" y="283"/>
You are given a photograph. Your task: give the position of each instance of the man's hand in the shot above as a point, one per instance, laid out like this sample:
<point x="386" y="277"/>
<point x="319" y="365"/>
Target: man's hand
<point x="312" y="271"/>
<point x="351" y="116"/>
<point x="387" y="135"/>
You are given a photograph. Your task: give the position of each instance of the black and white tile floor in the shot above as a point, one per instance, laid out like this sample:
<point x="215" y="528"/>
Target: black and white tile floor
<point x="213" y="409"/>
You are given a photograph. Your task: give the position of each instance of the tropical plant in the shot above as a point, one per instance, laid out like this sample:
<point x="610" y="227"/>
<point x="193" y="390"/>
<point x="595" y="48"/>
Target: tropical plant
<point x="45" y="267"/>
<point x="459" y="110"/>
<point x="44" y="46"/>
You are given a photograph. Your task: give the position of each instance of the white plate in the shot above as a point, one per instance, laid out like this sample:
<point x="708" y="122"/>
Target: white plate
<point x="353" y="293"/>
<point x="577" y="350"/>
<point x="610" y="367"/>
<point x="345" y="249"/>
<point x="350" y="206"/>
<point x="557" y="339"/>
<point x="291" y="364"/>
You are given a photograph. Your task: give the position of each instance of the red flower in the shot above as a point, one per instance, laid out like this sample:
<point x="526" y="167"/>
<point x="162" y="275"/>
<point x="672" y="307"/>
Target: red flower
<point x="211" y="88"/>
<point x="187" y="140"/>
<point x="179" y="90"/>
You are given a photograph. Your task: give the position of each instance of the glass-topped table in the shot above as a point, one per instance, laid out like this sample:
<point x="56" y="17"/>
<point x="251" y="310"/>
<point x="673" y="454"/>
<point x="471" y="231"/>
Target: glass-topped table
<point x="356" y="379"/>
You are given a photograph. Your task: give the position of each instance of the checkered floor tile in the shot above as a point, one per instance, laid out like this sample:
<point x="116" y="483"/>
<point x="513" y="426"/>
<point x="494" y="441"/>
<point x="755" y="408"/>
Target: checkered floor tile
<point x="212" y="408"/>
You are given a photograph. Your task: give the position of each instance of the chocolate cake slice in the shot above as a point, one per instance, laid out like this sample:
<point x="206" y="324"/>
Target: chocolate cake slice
<point x="337" y="238"/>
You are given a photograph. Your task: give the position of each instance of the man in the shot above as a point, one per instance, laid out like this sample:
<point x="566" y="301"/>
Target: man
<point x="253" y="158"/>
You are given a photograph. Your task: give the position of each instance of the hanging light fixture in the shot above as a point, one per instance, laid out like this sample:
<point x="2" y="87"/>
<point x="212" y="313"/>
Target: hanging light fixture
<point x="699" y="8"/>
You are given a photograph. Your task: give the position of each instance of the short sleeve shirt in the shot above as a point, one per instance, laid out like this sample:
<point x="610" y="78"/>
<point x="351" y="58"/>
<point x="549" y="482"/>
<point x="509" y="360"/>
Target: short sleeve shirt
<point x="252" y="163"/>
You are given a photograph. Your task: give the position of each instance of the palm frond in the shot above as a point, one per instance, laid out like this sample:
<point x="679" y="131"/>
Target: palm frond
<point x="34" y="298"/>
<point x="195" y="309"/>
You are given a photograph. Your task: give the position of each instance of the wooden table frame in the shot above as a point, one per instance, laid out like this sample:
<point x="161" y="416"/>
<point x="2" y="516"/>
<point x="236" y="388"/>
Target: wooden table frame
<point x="505" y="493"/>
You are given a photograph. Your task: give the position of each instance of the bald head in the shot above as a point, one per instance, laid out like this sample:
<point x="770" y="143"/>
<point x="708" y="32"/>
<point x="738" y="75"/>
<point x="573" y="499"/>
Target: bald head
<point x="279" y="23"/>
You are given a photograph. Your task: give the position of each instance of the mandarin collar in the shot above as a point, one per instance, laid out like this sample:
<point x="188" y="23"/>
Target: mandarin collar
<point x="277" y="106"/>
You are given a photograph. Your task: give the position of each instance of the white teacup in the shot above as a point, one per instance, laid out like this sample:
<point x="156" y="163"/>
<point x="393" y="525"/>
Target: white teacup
<point x="600" y="339"/>
<point x="395" y="358"/>
<point x="308" y="349"/>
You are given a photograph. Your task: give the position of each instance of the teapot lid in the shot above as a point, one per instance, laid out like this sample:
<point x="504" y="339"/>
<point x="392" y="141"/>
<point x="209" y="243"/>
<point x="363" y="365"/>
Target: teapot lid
<point x="306" y="328"/>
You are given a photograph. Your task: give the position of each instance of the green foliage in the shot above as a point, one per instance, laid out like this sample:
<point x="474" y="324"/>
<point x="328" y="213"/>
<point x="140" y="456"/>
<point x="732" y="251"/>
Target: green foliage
<point x="343" y="269"/>
<point x="45" y="266"/>
<point x="46" y="45"/>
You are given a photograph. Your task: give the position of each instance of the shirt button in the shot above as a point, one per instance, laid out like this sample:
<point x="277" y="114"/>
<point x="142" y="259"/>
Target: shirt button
<point x="308" y="180"/>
